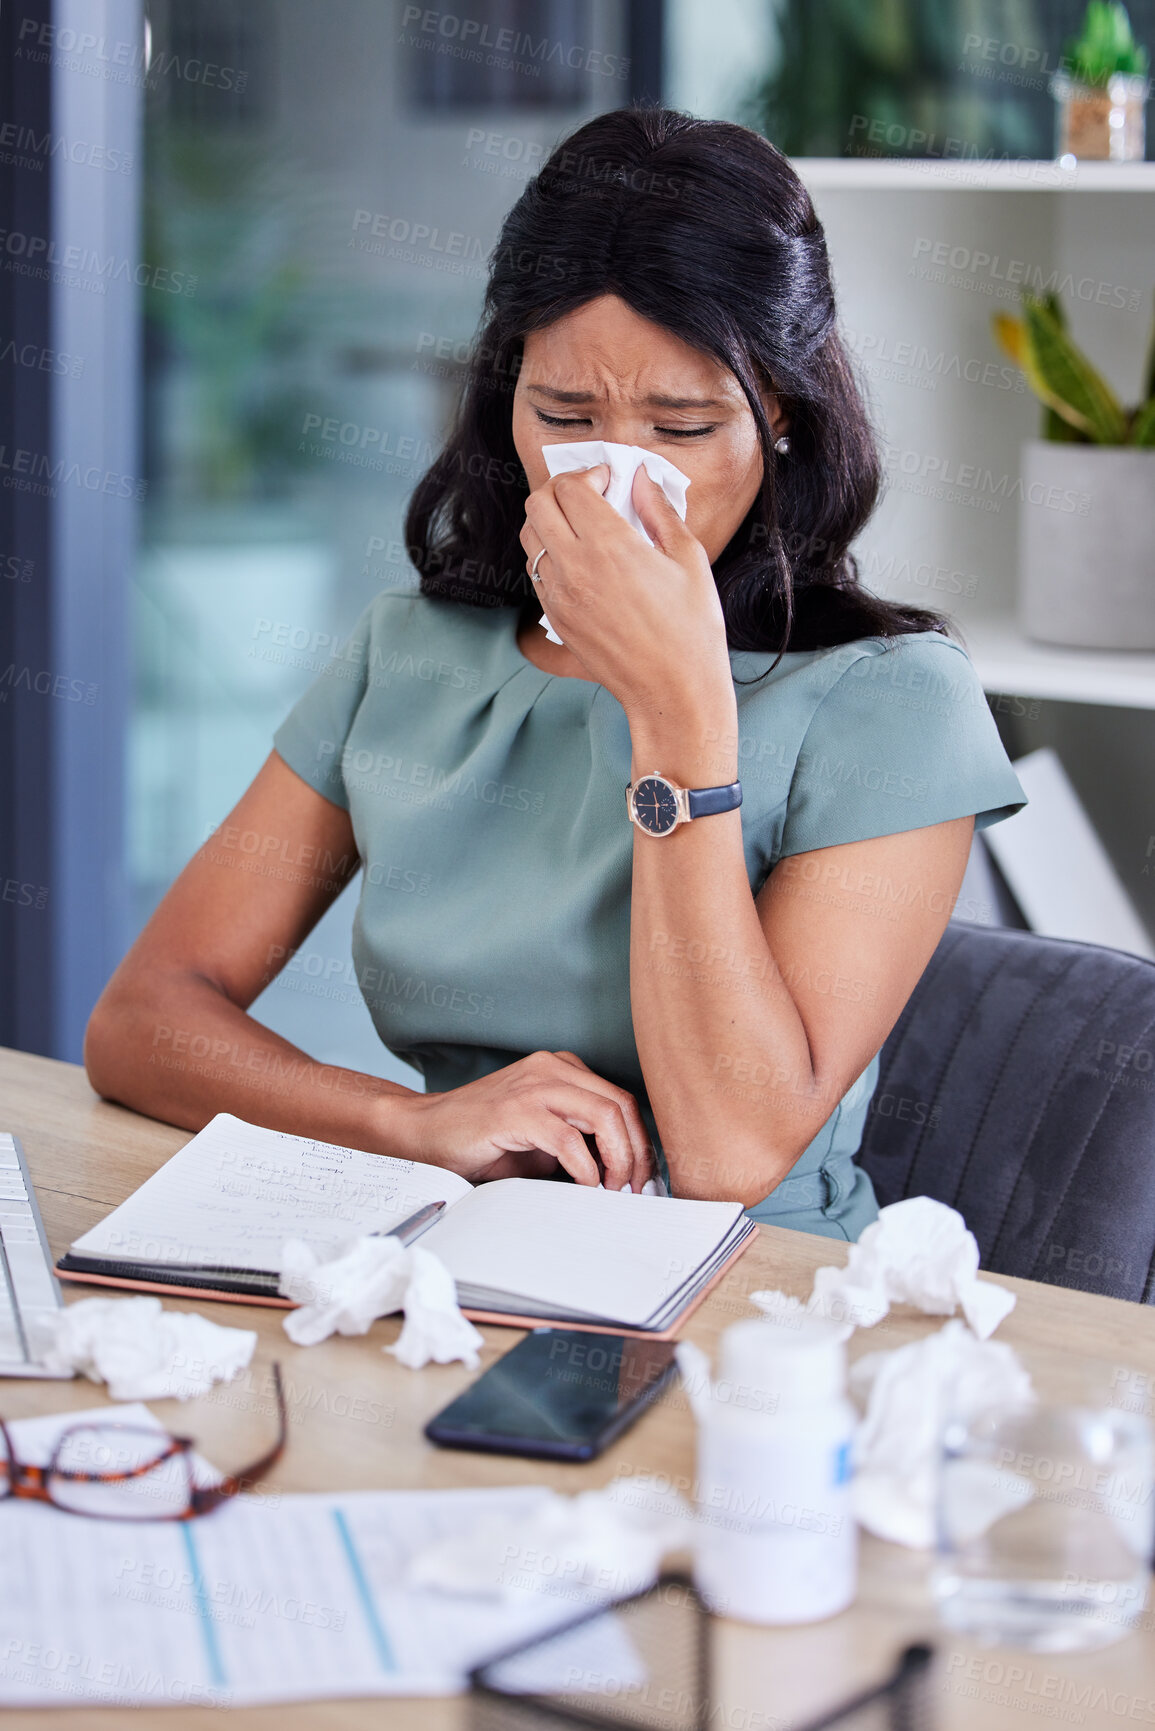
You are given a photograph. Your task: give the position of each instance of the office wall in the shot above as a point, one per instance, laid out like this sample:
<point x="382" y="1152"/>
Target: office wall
<point x="945" y="400"/>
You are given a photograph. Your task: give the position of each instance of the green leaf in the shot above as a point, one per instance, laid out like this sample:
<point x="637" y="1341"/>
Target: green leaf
<point x="1143" y="426"/>
<point x="1104" y="45"/>
<point x="1149" y="366"/>
<point x="1058" y="431"/>
<point x="1060" y="421"/>
<point x="1072" y="385"/>
<point x="1055" y="307"/>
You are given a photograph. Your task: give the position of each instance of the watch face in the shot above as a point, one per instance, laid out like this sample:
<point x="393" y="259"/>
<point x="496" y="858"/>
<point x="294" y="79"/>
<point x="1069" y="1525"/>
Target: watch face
<point x="655" y="807"/>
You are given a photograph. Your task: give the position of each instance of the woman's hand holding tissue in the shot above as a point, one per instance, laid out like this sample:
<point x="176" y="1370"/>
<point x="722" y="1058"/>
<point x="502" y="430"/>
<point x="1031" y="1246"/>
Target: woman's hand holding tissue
<point x="640" y="619"/>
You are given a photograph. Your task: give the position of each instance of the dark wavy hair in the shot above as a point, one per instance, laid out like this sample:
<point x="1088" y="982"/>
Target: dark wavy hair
<point x="703" y="228"/>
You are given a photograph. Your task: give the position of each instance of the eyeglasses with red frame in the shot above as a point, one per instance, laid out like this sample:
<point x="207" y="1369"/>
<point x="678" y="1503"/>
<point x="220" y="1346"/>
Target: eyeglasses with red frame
<point x="128" y="1473"/>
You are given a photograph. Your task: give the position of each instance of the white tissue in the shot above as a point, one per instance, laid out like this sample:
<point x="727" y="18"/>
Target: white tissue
<point x="601" y="1544"/>
<point x="623" y="461"/>
<point x="144" y="1352"/>
<point x="912" y="1393"/>
<point x="373" y="1277"/>
<point x="917" y="1252"/>
<point x="434" y="1327"/>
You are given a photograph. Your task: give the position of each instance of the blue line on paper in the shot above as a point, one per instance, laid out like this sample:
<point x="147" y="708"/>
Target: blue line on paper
<point x="216" y="1668"/>
<point x="376" y="1627"/>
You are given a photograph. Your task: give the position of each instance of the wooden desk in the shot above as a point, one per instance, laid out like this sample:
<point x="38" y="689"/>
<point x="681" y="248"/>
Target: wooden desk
<point x="356" y="1420"/>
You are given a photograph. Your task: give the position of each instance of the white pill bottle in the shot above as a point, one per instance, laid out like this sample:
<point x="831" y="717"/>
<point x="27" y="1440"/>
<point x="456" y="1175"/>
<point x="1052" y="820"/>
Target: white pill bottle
<point x="776" y="1540"/>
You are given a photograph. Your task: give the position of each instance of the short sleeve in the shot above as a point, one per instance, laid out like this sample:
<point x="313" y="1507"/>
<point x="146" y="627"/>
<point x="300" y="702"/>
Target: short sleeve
<point x="311" y="739"/>
<point x="902" y="739"/>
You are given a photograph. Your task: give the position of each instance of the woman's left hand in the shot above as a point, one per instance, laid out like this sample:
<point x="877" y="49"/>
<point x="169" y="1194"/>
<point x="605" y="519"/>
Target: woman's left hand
<point x="645" y="622"/>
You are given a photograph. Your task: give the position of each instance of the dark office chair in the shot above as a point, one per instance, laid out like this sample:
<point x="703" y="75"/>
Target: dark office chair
<point x="1019" y="1087"/>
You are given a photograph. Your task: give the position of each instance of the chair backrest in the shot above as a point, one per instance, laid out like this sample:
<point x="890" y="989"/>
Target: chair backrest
<point x="1018" y="1085"/>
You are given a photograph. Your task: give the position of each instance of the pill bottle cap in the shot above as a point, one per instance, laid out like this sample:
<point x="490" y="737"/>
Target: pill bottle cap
<point x="766" y="1365"/>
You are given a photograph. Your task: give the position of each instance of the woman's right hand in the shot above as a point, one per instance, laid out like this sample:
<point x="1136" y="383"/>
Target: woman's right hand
<point x="526" y="1120"/>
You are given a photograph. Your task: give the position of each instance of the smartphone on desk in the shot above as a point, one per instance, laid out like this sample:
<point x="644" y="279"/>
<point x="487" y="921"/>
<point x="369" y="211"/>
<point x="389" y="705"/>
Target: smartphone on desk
<point x="561" y="1394"/>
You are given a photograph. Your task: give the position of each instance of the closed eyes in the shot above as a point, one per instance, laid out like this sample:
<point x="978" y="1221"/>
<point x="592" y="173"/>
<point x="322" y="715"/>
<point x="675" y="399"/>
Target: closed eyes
<point x="666" y="432"/>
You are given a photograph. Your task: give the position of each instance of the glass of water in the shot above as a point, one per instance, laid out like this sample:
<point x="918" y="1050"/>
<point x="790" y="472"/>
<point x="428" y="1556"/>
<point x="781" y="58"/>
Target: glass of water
<point x="1046" y="1521"/>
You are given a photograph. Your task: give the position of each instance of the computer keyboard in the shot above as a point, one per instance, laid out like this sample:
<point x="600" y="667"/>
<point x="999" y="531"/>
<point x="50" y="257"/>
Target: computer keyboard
<point x="29" y="1291"/>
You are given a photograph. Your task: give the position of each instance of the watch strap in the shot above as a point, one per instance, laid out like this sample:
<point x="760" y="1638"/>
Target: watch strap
<point x="709" y="801"/>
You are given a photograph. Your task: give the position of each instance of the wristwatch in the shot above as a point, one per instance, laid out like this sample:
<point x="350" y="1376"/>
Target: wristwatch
<point x="658" y="805"/>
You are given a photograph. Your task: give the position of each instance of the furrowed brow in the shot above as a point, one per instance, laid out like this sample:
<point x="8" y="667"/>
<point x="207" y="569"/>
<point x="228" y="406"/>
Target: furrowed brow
<point x="557" y="396"/>
<point x="663" y="402"/>
<point x="655" y="400"/>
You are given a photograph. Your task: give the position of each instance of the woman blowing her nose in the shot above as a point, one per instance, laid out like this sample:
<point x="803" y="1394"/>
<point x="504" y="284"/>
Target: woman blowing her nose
<point x="683" y="869"/>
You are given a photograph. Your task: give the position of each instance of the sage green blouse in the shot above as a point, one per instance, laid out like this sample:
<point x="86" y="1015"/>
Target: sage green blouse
<point x="487" y="802"/>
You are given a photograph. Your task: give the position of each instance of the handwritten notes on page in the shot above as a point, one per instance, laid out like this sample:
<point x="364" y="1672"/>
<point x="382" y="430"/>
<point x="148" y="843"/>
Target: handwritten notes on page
<point x="234" y="1194"/>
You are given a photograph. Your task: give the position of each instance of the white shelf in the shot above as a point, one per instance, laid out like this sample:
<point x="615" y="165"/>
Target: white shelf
<point x="891" y="174"/>
<point x="1007" y="661"/>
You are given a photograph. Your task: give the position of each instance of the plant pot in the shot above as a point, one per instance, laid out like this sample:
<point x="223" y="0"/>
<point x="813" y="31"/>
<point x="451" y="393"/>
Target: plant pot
<point x="1100" y="122"/>
<point x="1087" y="546"/>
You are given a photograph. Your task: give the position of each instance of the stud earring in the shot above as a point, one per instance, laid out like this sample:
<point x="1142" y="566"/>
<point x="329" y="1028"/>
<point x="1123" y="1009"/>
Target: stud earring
<point x="782" y="445"/>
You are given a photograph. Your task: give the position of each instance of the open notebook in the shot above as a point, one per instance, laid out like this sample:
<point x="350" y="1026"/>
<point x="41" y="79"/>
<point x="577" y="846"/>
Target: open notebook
<point x="214" y="1219"/>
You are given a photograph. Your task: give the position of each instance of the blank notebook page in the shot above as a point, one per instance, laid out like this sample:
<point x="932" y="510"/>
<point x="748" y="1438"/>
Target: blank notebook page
<point x="235" y="1193"/>
<point x="602" y="1252"/>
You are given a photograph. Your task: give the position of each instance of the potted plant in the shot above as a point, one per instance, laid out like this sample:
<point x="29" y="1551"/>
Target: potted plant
<point x="1087" y="516"/>
<point x="1101" y="89"/>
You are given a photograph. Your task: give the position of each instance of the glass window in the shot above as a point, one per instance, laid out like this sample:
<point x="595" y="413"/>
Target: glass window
<point x="323" y="186"/>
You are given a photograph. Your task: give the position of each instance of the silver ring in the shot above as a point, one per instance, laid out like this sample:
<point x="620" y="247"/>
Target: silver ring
<point x="533" y="576"/>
